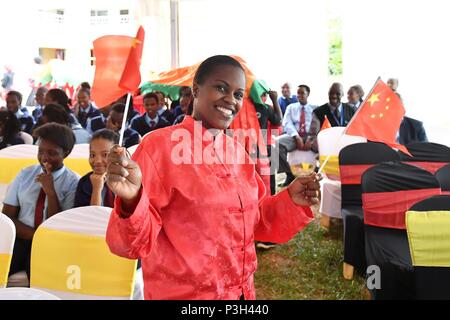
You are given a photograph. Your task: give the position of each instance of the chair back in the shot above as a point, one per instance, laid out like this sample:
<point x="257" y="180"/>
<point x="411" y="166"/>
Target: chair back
<point x="7" y="239"/>
<point x="71" y="259"/>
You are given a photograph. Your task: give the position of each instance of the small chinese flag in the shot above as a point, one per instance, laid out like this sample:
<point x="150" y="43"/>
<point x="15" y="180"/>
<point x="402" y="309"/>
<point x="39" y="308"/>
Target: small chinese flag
<point x="379" y="117"/>
<point x="326" y="124"/>
<point x="117" y="62"/>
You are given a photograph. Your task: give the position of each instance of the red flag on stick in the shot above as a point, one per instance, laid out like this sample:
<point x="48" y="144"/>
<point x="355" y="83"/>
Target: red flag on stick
<point x="379" y="117"/>
<point x="117" y="62"/>
<point x="326" y="124"/>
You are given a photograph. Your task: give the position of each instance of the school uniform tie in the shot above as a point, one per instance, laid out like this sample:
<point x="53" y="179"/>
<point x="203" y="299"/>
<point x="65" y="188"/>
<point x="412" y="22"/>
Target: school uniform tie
<point x="39" y="210"/>
<point x="302" y="128"/>
<point x="109" y="198"/>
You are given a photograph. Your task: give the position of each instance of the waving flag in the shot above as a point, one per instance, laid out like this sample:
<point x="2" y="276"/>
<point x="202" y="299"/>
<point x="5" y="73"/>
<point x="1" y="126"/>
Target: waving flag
<point x="117" y="63"/>
<point x="379" y="117"/>
<point x="169" y="82"/>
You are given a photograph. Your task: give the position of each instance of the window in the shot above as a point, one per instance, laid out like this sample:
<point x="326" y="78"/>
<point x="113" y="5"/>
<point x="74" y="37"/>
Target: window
<point x="48" y="54"/>
<point x="124" y="16"/>
<point x="99" y="17"/>
<point x="99" y="13"/>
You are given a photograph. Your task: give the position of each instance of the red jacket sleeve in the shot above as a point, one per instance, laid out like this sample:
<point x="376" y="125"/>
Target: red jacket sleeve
<point x="132" y="235"/>
<point x="280" y="218"/>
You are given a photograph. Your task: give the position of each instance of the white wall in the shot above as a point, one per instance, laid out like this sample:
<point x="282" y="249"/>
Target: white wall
<point x="281" y="41"/>
<point x="407" y="40"/>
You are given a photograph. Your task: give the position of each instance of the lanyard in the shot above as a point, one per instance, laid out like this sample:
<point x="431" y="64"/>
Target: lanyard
<point x="341" y="123"/>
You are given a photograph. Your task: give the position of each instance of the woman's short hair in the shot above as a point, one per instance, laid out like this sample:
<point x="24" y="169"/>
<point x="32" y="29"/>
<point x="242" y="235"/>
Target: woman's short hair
<point x="209" y="65"/>
<point x="60" y="97"/>
<point x="106" y="134"/>
<point x="58" y="134"/>
<point x="56" y="113"/>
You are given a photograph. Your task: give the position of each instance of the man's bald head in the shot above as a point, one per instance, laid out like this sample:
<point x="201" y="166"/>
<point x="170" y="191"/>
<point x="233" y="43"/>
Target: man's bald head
<point x="335" y="94"/>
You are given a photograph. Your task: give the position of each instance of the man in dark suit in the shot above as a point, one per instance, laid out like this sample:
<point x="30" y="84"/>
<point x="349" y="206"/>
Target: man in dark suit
<point x="411" y="130"/>
<point x="150" y="120"/>
<point x="339" y="114"/>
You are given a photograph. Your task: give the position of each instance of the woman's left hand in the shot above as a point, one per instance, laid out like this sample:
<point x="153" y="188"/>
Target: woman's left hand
<point x="305" y="191"/>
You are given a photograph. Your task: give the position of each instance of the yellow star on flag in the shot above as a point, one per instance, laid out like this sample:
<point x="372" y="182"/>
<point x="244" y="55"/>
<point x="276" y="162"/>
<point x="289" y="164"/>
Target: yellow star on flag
<point x="374" y="98"/>
<point x="136" y="42"/>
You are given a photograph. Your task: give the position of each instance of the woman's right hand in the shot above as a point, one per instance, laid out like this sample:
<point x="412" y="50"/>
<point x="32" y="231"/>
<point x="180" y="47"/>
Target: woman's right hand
<point x="124" y="177"/>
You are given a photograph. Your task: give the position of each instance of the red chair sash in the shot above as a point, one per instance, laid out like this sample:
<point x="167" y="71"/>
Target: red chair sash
<point x="387" y="209"/>
<point x="351" y="174"/>
<point x="431" y="167"/>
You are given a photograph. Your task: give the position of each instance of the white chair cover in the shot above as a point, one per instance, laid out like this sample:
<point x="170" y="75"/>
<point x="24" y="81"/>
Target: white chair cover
<point x="7" y="239"/>
<point x="27" y="138"/>
<point x="25" y="294"/>
<point x="73" y="243"/>
<point x="330" y="142"/>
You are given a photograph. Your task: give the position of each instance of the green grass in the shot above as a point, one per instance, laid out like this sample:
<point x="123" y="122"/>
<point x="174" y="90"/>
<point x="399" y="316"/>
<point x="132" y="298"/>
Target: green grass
<point x="307" y="267"/>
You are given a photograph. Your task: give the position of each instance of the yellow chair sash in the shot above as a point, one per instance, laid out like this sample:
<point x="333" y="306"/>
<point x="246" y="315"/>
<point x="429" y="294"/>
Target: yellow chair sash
<point x="332" y="166"/>
<point x="79" y="263"/>
<point x="11" y="167"/>
<point x="5" y="262"/>
<point x="429" y="238"/>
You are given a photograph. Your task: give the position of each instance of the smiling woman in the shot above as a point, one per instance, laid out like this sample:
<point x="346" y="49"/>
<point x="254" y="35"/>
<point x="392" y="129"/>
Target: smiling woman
<point x="193" y="224"/>
<point x="218" y="99"/>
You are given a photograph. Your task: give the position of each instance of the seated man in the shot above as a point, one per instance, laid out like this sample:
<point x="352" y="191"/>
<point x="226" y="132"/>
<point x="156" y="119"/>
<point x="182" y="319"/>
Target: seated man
<point x="296" y="123"/>
<point x="338" y="114"/>
<point x="411" y="130"/>
<point x="286" y="98"/>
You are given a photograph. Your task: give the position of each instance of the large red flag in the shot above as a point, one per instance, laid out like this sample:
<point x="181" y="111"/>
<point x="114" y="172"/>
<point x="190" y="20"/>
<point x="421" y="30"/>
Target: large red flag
<point x="117" y="61"/>
<point x="378" y="118"/>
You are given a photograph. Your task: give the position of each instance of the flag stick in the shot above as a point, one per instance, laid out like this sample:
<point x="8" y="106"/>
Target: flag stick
<point x="124" y="120"/>
<point x="324" y="164"/>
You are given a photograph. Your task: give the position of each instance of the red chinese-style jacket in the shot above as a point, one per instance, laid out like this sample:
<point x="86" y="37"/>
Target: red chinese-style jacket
<point x="200" y="210"/>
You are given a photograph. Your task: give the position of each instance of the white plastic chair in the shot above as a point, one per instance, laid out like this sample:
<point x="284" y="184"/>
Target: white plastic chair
<point x="330" y="142"/>
<point x="25" y="294"/>
<point x="27" y="138"/>
<point x="71" y="260"/>
<point x="7" y="239"/>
